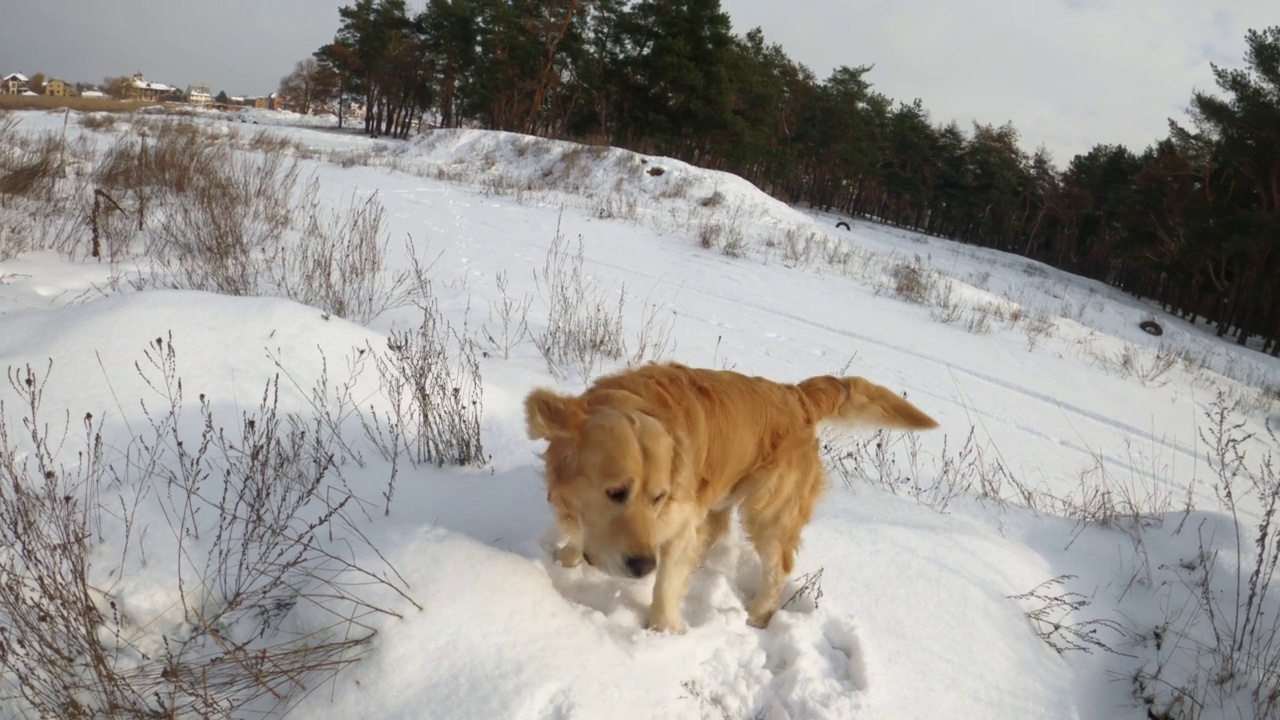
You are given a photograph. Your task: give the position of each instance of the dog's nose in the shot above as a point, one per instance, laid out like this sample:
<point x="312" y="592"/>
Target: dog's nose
<point x="641" y="565"/>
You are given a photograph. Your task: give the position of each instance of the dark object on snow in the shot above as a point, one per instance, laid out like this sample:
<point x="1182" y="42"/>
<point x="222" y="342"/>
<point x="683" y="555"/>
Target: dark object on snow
<point x="842" y="224"/>
<point x="655" y="171"/>
<point x="1151" y="327"/>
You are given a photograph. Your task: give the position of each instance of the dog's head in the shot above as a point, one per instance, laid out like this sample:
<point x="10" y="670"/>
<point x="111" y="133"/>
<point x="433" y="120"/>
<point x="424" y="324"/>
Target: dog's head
<point x="613" y="469"/>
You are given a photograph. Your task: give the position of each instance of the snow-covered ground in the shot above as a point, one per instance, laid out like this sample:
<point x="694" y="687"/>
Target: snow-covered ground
<point x="1047" y="391"/>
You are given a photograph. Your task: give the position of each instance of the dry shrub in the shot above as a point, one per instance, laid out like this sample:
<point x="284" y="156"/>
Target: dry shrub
<point x="584" y="328"/>
<point x="1051" y="609"/>
<point x="273" y="143"/>
<point x="617" y="204"/>
<point x="721" y="230"/>
<point x="708" y="234"/>
<point x="912" y="281"/>
<point x="510" y="317"/>
<point x="1149" y="368"/>
<point x="100" y="121"/>
<point x="269" y="602"/>
<point x="339" y="261"/>
<point x="1217" y="650"/>
<point x="431" y="376"/>
<point x="1036" y="325"/>
<point x="797" y="247"/>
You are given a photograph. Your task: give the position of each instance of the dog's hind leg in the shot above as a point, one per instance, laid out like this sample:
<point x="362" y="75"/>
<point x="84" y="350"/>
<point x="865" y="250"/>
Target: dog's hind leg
<point x="774" y="527"/>
<point x="776" y="560"/>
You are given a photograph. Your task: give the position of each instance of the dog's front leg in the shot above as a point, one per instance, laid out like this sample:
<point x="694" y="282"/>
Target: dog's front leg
<point x="676" y="561"/>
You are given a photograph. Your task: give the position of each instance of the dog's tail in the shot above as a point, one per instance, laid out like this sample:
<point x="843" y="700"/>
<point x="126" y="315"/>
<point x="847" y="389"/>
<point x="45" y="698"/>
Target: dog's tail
<point x="856" y="401"/>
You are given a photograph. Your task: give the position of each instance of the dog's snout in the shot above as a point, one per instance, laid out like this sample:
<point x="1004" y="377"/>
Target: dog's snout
<point x="641" y="565"/>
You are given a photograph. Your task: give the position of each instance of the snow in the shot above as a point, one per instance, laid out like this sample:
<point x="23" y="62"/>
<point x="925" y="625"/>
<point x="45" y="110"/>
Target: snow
<point x="916" y="617"/>
<point x="264" y="116"/>
<point x="147" y="85"/>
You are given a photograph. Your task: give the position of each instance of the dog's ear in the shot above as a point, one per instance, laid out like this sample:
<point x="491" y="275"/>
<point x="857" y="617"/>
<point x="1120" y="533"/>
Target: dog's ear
<point x="548" y="415"/>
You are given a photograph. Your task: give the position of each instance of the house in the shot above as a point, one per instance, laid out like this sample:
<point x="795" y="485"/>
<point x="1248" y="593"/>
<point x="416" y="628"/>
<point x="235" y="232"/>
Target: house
<point x="13" y="84"/>
<point x="57" y="88"/>
<point x="198" y="94"/>
<point x="139" y="88"/>
<point x="93" y="94"/>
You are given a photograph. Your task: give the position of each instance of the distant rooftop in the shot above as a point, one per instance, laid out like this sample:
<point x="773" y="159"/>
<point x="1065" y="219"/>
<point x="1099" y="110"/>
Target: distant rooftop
<point x="151" y="86"/>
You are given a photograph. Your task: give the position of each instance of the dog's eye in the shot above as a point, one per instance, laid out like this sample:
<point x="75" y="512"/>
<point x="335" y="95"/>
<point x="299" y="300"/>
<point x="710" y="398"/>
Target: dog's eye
<point x="659" y="497"/>
<point x="618" y="495"/>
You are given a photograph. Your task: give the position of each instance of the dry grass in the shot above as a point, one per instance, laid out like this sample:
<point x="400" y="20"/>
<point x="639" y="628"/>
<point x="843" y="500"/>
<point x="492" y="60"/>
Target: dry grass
<point x="191" y="207"/>
<point x="44" y="102"/>
<point x="41" y="178"/>
<point x="162" y="155"/>
<point x="224" y="232"/>
<point x="33" y="167"/>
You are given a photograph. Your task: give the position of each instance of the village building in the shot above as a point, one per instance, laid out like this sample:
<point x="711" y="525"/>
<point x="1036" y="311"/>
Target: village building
<point x="58" y="88"/>
<point x="139" y="88"/>
<point x="13" y="84"/>
<point x="199" y="94"/>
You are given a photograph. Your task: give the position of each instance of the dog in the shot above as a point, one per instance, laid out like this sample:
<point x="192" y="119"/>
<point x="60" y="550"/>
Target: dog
<point x="645" y="467"/>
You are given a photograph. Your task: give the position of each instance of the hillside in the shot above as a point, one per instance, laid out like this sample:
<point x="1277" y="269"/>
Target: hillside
<point x="216" y="391"/>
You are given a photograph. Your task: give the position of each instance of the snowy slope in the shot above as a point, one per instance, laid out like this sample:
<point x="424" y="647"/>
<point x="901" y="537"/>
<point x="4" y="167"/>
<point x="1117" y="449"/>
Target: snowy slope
<point x="916" y="617"/>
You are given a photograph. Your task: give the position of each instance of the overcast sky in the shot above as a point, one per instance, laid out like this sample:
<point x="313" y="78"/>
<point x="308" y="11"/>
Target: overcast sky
<point x="1068" y="73"/>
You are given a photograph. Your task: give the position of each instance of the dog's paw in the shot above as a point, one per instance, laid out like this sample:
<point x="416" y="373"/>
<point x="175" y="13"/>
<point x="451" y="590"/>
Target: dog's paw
<point x="666" y="624"/>
<point x="759" y="620"/>
<point x="569" y="555"/>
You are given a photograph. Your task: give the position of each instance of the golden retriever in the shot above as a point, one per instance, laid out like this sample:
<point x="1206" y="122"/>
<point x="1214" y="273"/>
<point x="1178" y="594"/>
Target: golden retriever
<point x="644" y="468"/>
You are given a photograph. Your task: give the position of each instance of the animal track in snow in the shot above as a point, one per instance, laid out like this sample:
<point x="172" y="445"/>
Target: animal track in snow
<point x="808" y="663"/>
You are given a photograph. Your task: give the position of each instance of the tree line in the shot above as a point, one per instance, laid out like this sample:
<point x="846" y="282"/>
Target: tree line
<point x="1192" y="221"/>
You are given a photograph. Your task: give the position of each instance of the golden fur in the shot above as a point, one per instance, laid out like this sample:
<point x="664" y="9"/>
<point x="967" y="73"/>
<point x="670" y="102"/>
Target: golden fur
<point x="644" y="468"/>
